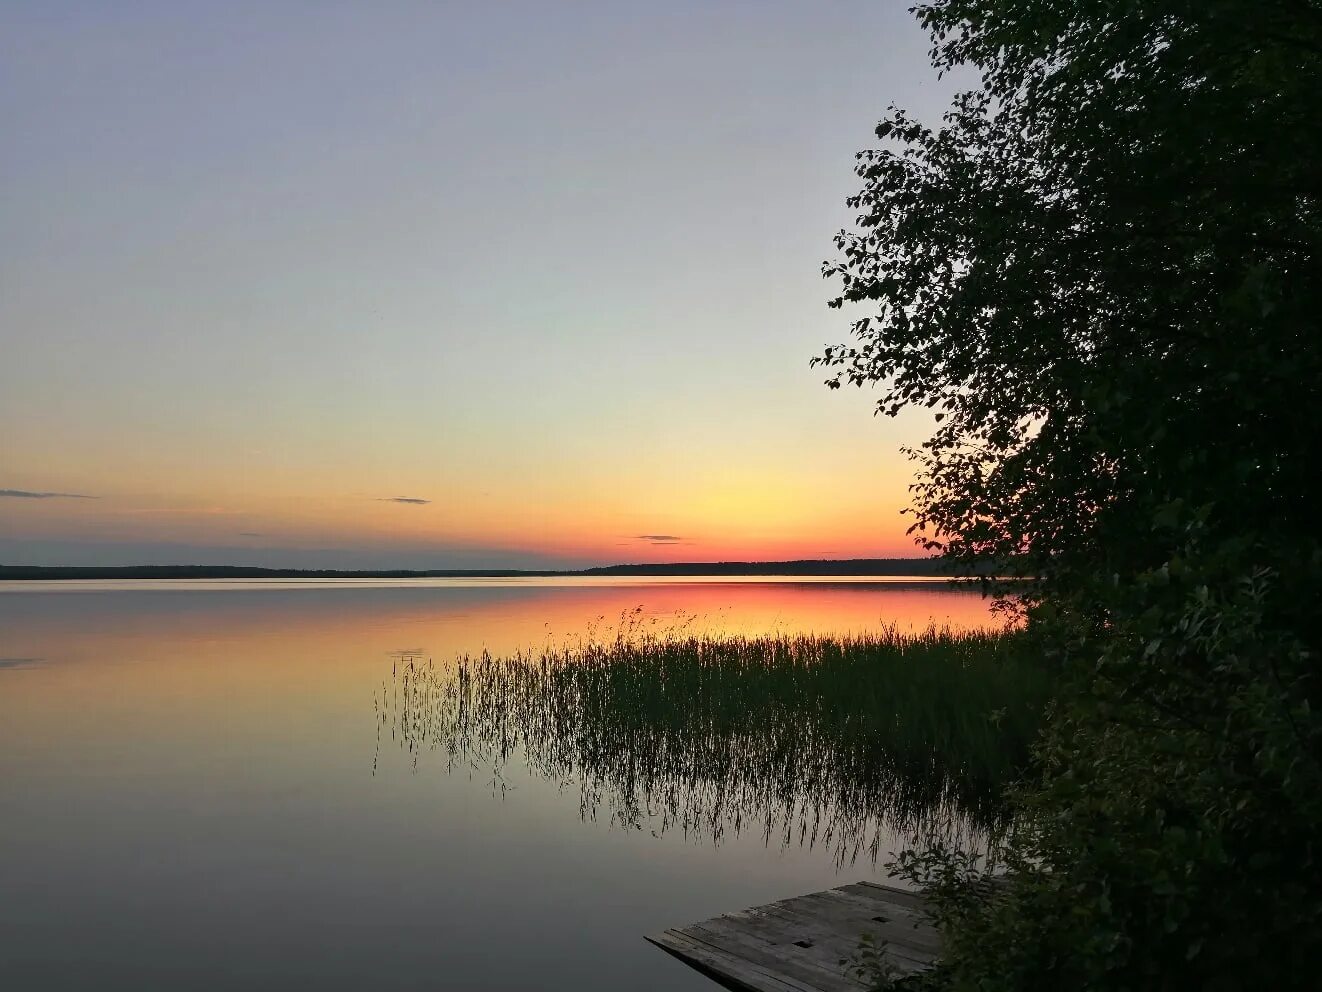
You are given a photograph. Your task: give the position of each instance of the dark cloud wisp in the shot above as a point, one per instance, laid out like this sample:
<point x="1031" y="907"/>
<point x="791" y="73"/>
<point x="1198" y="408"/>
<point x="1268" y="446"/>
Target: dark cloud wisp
<point x="29" y="494"/>
<point x="19" y="662"/>
<point x="658" y="538"/>
<point x="410" y="500"/>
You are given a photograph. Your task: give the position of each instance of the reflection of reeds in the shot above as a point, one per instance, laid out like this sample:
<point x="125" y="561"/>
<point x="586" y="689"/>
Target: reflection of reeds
<point x="811" y="740"/>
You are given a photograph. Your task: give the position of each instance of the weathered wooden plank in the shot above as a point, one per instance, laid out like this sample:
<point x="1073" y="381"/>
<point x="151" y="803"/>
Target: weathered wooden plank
<point x="839" y="939"/>
<point x="902" y="904"/>
<point x="728" y="969"/>
<point x="843" y="933"/>
<point x="900" y="918"/>
<point x="877" y="915"/>
<point x="808" y="965"/>
<point x="905" y="897"/>
<point x="798" y="944"/>
<point x="886" y="920"/>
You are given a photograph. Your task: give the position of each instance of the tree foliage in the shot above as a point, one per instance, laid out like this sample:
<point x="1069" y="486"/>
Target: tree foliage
<point x="1103" y="273"/>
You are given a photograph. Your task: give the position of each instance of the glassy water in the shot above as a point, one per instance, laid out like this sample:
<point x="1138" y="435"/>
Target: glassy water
<point x="204" y="785"/>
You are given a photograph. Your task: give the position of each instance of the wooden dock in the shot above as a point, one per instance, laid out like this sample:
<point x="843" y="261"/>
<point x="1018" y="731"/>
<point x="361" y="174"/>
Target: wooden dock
<point x="797" y="945"/>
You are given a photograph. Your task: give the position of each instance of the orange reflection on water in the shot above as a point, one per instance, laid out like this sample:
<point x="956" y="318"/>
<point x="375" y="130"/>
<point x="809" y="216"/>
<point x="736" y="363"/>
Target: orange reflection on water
<point x="199" y="766"/>
<point x="179" y="661"/>
<point x="305" y="622"/>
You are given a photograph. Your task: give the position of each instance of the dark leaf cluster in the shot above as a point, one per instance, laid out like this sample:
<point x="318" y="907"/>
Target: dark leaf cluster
<point x="1102" y="272"/>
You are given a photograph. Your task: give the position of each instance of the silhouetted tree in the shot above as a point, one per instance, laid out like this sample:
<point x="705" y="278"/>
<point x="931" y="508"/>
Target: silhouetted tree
<point x="1103" y="274"/>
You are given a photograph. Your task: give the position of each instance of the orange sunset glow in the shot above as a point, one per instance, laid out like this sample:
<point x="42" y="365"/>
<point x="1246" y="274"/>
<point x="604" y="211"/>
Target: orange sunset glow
<point x="468" y="314"/>
<point x="684" y="499"/>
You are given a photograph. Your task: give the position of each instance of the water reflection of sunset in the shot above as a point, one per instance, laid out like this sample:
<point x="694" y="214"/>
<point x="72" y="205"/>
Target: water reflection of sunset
<point x="297" y="623"/>
<point x="230" y="734"/>
<point x="199" y="654"/>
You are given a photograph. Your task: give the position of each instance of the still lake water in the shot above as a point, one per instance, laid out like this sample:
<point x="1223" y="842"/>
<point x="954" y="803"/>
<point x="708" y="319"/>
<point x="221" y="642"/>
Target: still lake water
<point x="194" y="791"/>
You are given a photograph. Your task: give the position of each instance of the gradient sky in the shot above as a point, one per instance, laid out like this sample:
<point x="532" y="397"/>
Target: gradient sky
<point x="552" y="268"/>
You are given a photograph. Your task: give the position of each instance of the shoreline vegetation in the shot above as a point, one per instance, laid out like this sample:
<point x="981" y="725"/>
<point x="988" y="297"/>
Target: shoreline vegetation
<point x="851" y="743"/>
<point x="880" y="567"/>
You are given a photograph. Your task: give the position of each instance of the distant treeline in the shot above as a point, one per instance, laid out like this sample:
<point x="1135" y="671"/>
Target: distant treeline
<point x="918" y="567"/>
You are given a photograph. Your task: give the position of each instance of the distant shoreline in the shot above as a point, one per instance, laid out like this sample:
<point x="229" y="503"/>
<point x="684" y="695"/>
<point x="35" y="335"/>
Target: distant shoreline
<point x="916" y="567"/>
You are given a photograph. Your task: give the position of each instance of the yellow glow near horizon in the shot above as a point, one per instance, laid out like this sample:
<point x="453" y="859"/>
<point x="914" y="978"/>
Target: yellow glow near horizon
<point x="248" y="313"/>
<point x="740" y="513"/>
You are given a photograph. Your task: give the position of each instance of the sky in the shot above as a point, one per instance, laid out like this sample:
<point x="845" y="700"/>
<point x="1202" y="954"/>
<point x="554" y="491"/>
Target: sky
<point x="439" y="285"/>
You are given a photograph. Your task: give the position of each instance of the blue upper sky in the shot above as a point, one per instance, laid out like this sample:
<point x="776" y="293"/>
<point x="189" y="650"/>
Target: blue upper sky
<point x="553" y="268"/>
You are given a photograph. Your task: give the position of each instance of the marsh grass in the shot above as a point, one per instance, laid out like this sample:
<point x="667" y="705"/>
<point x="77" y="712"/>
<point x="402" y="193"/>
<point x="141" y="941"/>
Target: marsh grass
<point x="843" y="742"/>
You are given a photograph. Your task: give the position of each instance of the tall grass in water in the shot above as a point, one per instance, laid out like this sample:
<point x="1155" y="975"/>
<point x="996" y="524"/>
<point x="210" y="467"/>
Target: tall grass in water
<point x="838" y="741"/>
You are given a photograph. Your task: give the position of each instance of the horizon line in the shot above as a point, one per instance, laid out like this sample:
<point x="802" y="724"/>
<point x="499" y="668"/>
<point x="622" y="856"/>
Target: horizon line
<point x="854" y="566"/>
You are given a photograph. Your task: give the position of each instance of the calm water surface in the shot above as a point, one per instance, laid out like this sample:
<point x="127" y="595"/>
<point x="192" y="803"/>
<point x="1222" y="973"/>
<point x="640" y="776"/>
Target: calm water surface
<point x="193" y="792"/>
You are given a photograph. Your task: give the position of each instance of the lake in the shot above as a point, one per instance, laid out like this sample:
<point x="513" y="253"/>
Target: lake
<point x="199" y="788"/>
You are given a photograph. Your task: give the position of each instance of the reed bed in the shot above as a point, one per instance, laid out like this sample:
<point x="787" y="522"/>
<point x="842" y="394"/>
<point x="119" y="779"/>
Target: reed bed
<point x="846" y="742"/>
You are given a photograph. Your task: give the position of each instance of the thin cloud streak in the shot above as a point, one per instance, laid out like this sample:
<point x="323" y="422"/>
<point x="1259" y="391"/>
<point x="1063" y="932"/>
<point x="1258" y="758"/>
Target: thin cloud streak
<point x="659" y="538"/>
<point x="13" y="663"/>
<point x="410" y="500"/>
<point x="197" y="511"/>
<point x="28" y="494"/>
